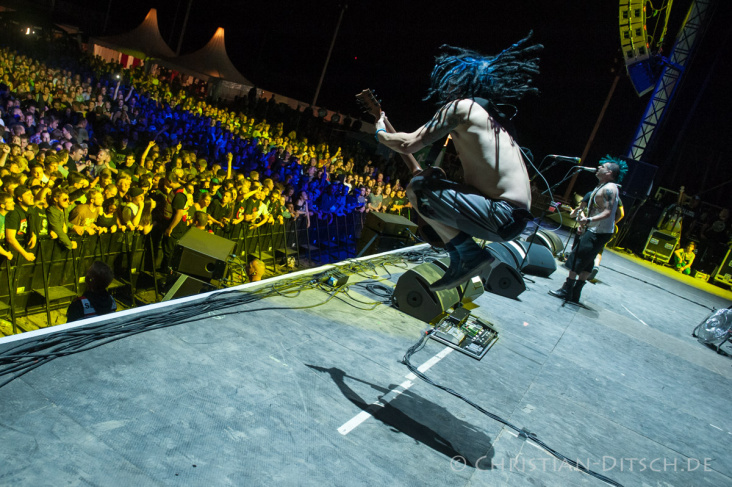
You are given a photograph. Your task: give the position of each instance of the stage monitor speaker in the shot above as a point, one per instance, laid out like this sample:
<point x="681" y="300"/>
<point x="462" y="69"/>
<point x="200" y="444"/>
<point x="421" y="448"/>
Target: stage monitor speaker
<point x="387" y="224"/>
<point x="180" y="285"/>
<point x="379" y="243"/>
<point x="505" y="253"/>
<point x="539" y="262"/>
<point x="469" y="290"/>
<point x="413" y="296"/>
<point x="504" y="280"/>
<point x="201" y="254"/>
<point x="548" y="239"/>
<point x="660" y="245"/>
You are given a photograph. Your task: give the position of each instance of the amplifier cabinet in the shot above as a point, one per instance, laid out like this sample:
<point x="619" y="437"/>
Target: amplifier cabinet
<point x="660" y="245"/>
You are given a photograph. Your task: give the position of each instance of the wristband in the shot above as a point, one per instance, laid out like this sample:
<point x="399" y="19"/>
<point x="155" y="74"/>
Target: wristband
<point x="376" y="135"/>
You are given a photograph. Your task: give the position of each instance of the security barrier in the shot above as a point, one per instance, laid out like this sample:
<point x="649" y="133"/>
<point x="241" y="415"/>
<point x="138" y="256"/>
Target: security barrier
<point x="57" y="275"/>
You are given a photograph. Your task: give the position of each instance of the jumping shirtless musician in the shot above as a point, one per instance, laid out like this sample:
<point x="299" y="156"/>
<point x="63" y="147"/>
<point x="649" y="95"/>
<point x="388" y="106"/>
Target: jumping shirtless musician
<point x="493" y="202"/>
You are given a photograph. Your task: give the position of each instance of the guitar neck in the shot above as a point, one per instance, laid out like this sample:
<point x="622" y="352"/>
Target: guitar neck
<point x="408" y="159"/>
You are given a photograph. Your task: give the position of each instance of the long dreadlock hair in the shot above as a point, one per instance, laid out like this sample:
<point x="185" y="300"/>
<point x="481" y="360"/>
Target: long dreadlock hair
<point x="620" y="171"/>
<point x="462" y="73"/>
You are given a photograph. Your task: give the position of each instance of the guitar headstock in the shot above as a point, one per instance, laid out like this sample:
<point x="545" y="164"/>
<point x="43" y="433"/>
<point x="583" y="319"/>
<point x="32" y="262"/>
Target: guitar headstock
<point x="369" y="103"/>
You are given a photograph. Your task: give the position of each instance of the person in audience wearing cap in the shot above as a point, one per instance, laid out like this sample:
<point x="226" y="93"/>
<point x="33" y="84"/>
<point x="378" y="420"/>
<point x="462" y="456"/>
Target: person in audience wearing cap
<point x="96" y="299"/>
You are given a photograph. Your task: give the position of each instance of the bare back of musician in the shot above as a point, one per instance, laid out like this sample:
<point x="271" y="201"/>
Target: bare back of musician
<point x="492" y="161"/>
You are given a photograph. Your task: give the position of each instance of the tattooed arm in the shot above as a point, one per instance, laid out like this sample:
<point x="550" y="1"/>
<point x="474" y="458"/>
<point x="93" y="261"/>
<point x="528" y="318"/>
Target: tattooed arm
<point x="605" y="201"/>
<point x="444" y="121"/>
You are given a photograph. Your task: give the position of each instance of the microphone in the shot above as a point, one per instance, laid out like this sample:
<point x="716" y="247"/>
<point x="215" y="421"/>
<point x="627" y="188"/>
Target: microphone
<point x="573" y="160"/>
<point x="588" y="169"/>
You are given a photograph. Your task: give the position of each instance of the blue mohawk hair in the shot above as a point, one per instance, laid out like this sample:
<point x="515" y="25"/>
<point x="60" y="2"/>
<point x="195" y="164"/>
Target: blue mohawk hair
<point x="622" y="166"/>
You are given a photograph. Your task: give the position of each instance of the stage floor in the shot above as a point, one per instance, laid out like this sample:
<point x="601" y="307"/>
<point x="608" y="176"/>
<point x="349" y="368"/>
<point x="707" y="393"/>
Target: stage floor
<point x="318" y="396"/>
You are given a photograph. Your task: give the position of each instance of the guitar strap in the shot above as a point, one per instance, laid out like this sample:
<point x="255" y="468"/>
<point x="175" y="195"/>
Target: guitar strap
<point x="498" y="115"/>
<point x="489" y="107"/>
<point x="591" y="204"/>
<point x="434" y="152"/>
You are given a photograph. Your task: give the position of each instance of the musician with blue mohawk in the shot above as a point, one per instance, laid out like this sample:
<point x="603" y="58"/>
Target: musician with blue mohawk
<point x="472" y="91"/>
<point x="600" y="221"/>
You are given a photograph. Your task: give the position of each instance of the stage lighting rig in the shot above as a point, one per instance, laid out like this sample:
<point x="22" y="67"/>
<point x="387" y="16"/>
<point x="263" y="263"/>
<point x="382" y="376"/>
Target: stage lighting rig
<point x="641" y="49"/>
<point x="635" y="46"/>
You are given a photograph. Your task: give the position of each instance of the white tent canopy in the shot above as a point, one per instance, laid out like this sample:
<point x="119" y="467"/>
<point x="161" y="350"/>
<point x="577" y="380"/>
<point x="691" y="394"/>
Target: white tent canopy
<point x="211" y="61"/>
<point x="143" y="42"/>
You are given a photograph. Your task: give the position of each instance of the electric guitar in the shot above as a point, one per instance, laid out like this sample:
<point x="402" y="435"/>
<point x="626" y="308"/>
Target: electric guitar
<point x="369" y="104"/>
<point x="581" y="227"/>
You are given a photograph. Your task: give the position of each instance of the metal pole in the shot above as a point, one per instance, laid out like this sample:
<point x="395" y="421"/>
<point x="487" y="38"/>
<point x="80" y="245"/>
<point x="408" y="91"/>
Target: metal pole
<point x="106" y="17"/>
<point x="568" y="192"/>
<point x="183" y="29"/>
<point x="11" y="295"/>
<point x="172" y="28"/>
<point x="330" y="51"/>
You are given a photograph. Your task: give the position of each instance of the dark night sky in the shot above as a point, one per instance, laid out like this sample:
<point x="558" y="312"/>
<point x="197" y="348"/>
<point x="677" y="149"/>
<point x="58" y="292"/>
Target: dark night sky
<point x="389" y="46"/>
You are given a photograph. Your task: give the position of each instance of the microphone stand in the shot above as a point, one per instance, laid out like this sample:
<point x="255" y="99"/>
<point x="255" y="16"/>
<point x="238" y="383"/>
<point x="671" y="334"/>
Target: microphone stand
<point x="543" y="214"/>
<point x="538" y="169"/>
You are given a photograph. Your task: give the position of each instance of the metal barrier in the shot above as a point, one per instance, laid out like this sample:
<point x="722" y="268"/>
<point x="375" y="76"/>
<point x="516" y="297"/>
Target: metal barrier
<point x="57" y="275"/>
<point x="275" y="244"/>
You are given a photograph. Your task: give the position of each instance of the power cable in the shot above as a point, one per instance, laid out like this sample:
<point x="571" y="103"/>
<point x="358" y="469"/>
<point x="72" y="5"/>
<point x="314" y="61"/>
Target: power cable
<point x="33" y="353"/>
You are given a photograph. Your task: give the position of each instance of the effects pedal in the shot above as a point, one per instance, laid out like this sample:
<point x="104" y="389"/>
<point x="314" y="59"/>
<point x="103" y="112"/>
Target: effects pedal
<point x="332" y="278"/>
<point x="465" y="333"/>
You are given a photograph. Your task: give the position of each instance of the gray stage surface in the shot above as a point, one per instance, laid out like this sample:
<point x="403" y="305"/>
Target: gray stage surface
<point x="318" y="396"/>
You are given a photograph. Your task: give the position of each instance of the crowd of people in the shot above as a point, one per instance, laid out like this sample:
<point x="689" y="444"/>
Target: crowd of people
<point x="88" y="147"/>
<point x="92" y="148"/>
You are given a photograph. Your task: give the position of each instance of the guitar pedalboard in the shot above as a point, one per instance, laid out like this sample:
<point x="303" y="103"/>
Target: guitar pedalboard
<point x="465" y="333"/>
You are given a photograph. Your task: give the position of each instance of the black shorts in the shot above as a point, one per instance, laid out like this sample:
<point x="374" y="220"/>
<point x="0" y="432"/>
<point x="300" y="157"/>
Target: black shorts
<point x="583" y="256"/>
<point x="461" y="206"/>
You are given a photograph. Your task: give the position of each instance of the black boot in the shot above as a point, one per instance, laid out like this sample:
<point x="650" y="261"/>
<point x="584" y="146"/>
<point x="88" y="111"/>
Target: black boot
<point x="472" y="262"/>
<point x="576" y="292"/>
<point x="565" y="292"/>
<point x="452" y="269"/>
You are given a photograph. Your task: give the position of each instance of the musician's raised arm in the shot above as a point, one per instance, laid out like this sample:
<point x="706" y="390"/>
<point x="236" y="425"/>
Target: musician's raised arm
<point x="445" y="121"/>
